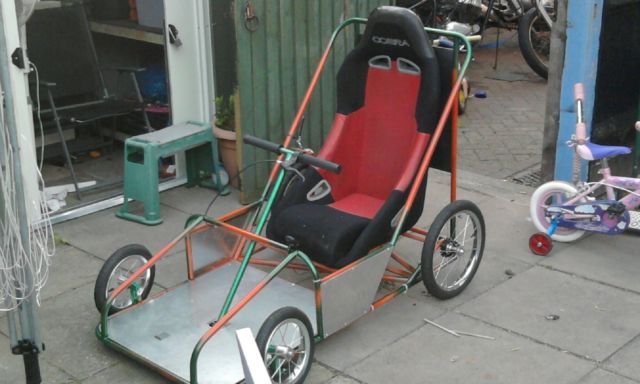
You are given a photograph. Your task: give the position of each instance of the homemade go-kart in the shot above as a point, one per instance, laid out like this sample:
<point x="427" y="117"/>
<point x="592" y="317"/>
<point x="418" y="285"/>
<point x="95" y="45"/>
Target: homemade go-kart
<point x="337" y="216"/>
<point x="564" y="212"/>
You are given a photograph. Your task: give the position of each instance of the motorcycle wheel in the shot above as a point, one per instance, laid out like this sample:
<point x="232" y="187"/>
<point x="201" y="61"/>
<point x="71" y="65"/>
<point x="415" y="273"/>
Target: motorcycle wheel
<point x="534" y="37"/>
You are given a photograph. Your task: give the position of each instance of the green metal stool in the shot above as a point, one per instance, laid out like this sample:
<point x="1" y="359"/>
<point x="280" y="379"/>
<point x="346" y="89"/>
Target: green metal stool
<point x="141" y="156"/>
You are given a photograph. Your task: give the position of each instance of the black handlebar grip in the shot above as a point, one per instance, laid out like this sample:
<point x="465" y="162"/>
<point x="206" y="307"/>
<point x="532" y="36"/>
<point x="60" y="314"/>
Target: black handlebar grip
<point x="305" y="159"/>
<point x="260" y="143"/>
<point x="320" y="163"/>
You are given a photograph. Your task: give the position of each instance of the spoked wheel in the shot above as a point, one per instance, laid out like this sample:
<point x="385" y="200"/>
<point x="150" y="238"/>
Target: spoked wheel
<point x="116" y="270"/>
<point x="453" y="249"/>
<point x="553" y="193"/>
<point x="540" y="244"/>
<point x="286" y="344"/>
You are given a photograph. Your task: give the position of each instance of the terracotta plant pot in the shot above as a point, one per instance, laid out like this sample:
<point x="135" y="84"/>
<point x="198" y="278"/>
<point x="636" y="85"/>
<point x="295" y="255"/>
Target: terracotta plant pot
<point x="227" y="148"/>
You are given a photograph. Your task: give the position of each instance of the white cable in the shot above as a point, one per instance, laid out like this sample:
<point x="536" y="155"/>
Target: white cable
<point x="18" y="260"/>
<point x="38" y="109"/>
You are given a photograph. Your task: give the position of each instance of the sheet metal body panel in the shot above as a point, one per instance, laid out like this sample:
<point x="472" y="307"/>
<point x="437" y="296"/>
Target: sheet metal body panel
<point x="349" y="295"/>
<point x="165" y="329"/>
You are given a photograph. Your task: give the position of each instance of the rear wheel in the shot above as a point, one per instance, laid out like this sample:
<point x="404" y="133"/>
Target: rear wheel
<point x="116" y="270"/>
<point x="553" y="193"/>
<point x="286" y="344"/>
<point x="534" y="38"/>
<point x="453" y="249"/>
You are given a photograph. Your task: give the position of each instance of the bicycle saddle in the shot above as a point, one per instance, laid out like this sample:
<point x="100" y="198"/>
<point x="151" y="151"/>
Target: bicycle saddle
<point x="591" y="151"/>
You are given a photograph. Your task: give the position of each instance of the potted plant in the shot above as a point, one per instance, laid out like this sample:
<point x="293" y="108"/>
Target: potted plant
<point x="224" y="131"/>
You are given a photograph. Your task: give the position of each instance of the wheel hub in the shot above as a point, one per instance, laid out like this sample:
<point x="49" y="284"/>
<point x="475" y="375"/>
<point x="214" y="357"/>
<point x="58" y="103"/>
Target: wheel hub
<point x="451" y="248"/>
<point x="284" y="352"/>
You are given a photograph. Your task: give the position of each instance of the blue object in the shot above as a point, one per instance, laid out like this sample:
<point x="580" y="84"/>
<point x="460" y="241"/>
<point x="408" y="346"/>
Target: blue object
<point x="584" y="20"/>
<point x="601" y="151"/>
<point x="153" y="83"/>
<point x="480" y="94"/>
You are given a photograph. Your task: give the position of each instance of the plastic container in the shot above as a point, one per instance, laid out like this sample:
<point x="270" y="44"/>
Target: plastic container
<point x="150" y="13"/>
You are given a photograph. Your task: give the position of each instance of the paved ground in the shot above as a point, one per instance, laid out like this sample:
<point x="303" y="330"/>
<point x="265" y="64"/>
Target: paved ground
<point x="591" y="285"/>
<point x="502" y="134"/>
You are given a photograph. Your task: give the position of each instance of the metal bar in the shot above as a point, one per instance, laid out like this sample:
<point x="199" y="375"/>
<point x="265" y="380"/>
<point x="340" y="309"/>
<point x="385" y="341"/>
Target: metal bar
<point x="63" y="142"/>
<point x="454" y="131"/>
<point x="136" y="86"/>
<point x="413" y="237"/>
<point x="29" y="326"/>
<point x="399" y="272"/>
<point x="250" y="235"/>
<point x="438" y="132"/>
<point x="419" y="230"/>
<point x="224" y="319"/>
<point x="249" y="250"/>
<point x="398" y="259"/>
<point x="105" y="311"/>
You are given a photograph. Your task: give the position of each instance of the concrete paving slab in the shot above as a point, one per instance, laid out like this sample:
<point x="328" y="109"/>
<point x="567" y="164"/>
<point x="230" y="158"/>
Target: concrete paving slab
<point x="625" y="361"/>
<point x="612" y="260"/>
<point x="70" y="268"/>
<point x="12" y="368"/>
<point x="342" y="380"/>
<point x="102" y="233"/>
<point x="508" y="230"/>
<point x="599" y="376"/>
<point x="319" y="374"/>
<point x="374" y="331"/>
<point x="595" y="320"/>
<point x="196" y="200"/>
<point x="429" y="355"/>
<point x="126" y="372"/>
<point x="68" y="323"/>
<point x="491" y="273"/>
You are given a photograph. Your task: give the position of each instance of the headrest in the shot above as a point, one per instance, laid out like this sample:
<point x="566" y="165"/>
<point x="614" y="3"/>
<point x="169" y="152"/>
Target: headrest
<point x="396" y="32"/>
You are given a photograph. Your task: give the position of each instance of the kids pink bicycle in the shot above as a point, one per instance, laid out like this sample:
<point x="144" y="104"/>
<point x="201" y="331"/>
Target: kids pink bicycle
<point x="563" y="211"/>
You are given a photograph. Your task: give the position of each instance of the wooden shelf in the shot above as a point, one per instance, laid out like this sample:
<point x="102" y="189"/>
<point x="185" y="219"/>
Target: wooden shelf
<point x="128" y="30"/>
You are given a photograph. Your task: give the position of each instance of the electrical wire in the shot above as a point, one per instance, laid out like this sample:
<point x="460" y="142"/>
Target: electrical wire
<point x="24" y="268"/>
<point x="38" y="113"/>
<point x="237" y="175"/>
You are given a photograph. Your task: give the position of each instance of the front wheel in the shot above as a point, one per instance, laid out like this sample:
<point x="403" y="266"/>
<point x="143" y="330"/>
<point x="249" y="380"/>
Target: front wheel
<point x="553" y="193"/>
<point x="453" y="249"/>
<point x="116" y="270"/>
<point x="286" y="344"/>
<point x="534" y="38"/>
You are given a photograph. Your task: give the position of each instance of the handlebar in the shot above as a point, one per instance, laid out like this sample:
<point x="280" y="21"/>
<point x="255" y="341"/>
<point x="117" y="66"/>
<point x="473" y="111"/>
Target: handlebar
<point x="302" y="157"/>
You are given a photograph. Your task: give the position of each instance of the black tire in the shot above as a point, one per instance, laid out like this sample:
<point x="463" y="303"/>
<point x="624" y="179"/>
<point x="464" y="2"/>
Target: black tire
<point x="267" y="334"/>
<point x="530" y="20"/>
<point x="447" y="246"/>
<point x="135" y="253"/>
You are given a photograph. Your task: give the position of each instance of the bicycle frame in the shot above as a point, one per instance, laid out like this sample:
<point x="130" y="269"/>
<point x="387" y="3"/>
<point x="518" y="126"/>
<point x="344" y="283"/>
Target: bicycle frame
<point x="611" y="183"/>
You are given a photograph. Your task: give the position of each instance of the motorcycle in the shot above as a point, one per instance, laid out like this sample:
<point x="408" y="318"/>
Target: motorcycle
<point x="532" y="18"/>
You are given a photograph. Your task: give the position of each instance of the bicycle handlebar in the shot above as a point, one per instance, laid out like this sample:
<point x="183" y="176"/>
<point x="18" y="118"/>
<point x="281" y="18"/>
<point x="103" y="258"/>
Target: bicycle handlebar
<point x="302" y="157"/>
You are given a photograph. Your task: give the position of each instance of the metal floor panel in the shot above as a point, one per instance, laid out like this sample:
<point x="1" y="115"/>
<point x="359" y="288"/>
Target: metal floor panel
<point x="165" y="330"/>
